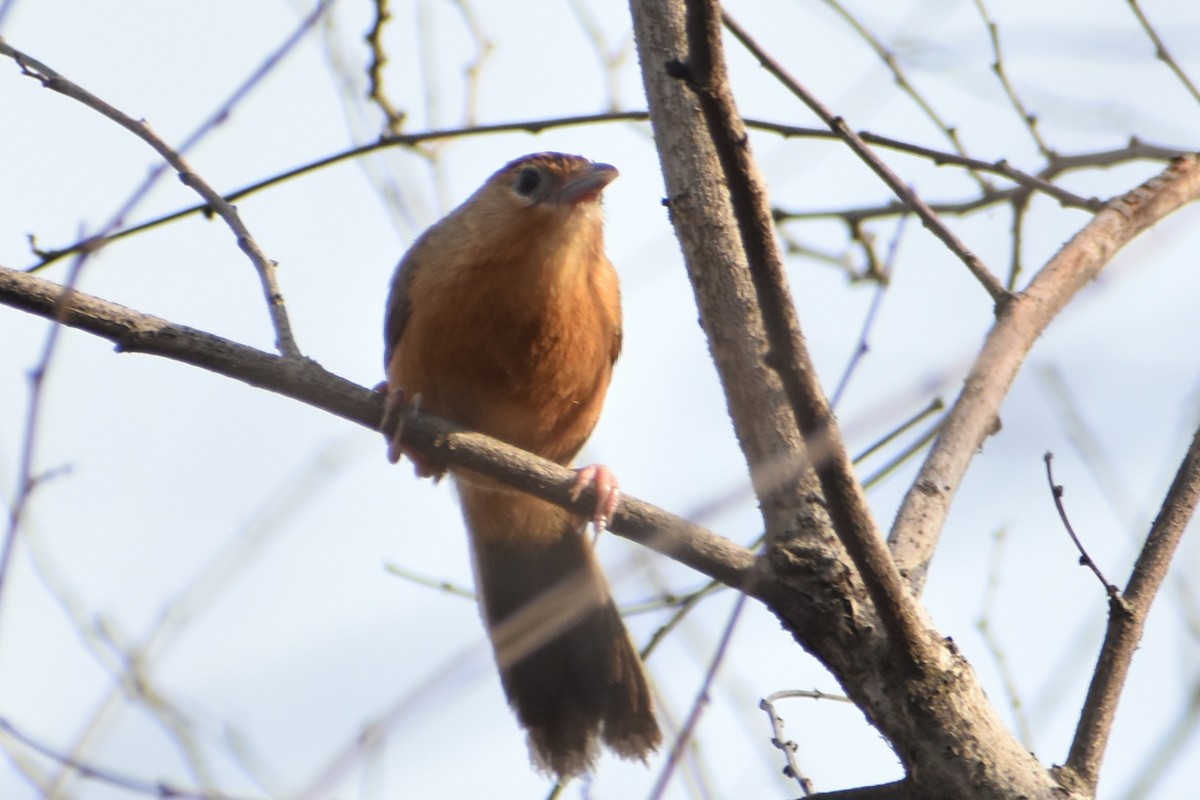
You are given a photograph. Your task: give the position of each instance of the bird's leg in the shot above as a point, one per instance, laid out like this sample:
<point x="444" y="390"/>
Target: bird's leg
<point x="608" y="492"/>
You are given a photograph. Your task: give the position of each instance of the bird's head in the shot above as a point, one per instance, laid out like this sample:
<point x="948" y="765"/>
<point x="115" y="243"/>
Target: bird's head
<point x="547" y="198"/>
<point x="553" y="180"/>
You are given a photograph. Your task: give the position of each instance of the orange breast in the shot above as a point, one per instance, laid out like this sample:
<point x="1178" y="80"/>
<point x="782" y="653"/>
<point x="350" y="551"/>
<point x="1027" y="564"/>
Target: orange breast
<point x="524" y="355"/>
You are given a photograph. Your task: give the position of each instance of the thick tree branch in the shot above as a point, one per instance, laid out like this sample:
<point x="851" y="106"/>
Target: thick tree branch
<point x="787" y="354"/>
<point x="947" y="735"/>
<point x="304" y="380"/>
<point x="1127" y="620"/>
<point x="975" y="414"/>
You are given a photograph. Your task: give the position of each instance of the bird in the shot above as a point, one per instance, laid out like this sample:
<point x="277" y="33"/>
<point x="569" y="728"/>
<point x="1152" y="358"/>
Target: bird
<point x="504" y="317"/>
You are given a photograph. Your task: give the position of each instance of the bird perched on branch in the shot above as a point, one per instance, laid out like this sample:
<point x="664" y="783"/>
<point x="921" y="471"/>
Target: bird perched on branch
<point x="505" y="318"/>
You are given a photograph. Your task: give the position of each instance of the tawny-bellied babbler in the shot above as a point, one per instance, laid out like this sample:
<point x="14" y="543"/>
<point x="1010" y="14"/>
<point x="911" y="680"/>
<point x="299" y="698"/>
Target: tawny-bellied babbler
<point x="505" y="318"/>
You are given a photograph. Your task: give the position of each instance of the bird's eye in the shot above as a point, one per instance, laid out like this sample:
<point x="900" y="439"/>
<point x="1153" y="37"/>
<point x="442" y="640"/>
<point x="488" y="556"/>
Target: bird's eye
<point x="529" y="180"/>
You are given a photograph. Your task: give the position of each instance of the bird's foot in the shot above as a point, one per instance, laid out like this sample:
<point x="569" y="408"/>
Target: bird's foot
<point x="608" y="492"/>
<point x="396" y="410"/>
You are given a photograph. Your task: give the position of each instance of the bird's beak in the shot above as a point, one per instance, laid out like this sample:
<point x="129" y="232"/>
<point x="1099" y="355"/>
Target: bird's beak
<point x="586" y="185"/>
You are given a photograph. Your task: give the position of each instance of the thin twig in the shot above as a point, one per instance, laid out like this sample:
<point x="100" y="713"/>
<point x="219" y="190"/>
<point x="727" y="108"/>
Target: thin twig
<point x="1162" y="53"/>
<point x="984" y="625"/>
<point x="700" y="703"/>
<point x="1020" y="209"/>
<point x="895" y="462"/>
<point x="1058" y="165"/>
<point x="862" y="345"/>
<point x="685" y="608"/>
<point x="836" y="123"/>
<point x="159" y="789"/>
<point x="1114" y="594"/>
<point x="52" y="80"/>
<point x="1029" y="119"/>
<point x="786" y="746"/>
<point x="392" y="117"/>
<point x="48" y="257"/>
<point x="893" y="65"/>
<point x="27" y="477"/>
<point x="484" y="47"/>
<point x="610" y="58"/>
<point x="934" y="406"/>
<point x="442" y="585"/>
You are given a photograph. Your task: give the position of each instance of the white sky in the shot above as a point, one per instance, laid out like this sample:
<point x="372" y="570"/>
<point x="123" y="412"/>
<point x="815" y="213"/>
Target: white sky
<point x="308" y="639"/>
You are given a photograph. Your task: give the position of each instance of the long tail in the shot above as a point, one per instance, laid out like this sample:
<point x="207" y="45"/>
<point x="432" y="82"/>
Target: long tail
<point x="566" y="662"/>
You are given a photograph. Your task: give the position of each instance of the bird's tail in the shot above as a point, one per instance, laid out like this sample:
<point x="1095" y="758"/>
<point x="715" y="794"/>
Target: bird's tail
<point x="568" y="667"/>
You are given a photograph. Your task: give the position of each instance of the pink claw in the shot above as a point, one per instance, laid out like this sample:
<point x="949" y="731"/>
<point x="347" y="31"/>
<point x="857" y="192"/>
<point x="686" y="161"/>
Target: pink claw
<point x="608" y="492"/>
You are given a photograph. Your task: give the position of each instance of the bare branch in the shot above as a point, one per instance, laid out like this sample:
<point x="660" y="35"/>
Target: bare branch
<point x="307" y="382"/>
<point x="862" y="346"/>
<point x="1029" y="119"/>
<point x="1116" y="603"/>
<point x="973" y="417"/>
<point x="787" y="353"/>
<point x="119" y="780"/>
<point x="808" y="578"/>
<point x="1058" y="164"/>
<point x="393" y="117"/>
<point x="1125" y="629"/>
<point x="474" y="70"/>
<point x="860" y="148"/>
<point x="399" y="140"/>
<point x="785" y="746"/>
<point x="52" y="80"/>
<point x="1162" y="53"/>
<point x="893" y="65"/>
<point x="984" y="625"/>
<point x="699" y="703"/>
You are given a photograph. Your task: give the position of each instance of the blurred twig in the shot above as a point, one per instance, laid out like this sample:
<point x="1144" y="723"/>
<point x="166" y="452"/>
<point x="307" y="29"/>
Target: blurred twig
<point x="610" y="58"/>
<point x="700" y="703"/>
<point x="1162" y="53"/>
<point x="984" y="625"/>
<point x="1029" y="119"/>
<point x="474" y="71"/>
<point x="884" y="274"/>
<point x="159" y="789"/>
<point x="889" y="59"/>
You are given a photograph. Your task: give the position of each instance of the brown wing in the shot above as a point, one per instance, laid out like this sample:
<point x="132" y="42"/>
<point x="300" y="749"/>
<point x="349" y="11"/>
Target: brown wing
<point x="399" y="307"/>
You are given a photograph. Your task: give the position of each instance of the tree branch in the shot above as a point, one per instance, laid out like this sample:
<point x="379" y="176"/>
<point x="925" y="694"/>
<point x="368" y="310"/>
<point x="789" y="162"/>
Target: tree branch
<point x="304" y="380"/>
<point x="808" y="580"/>
<point x="1127" y="621"/>
<point x="787" y="353"/>
<point x="265" y="267"/>
<point x="838" y="125"/>
<point x="974" y="415"/>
